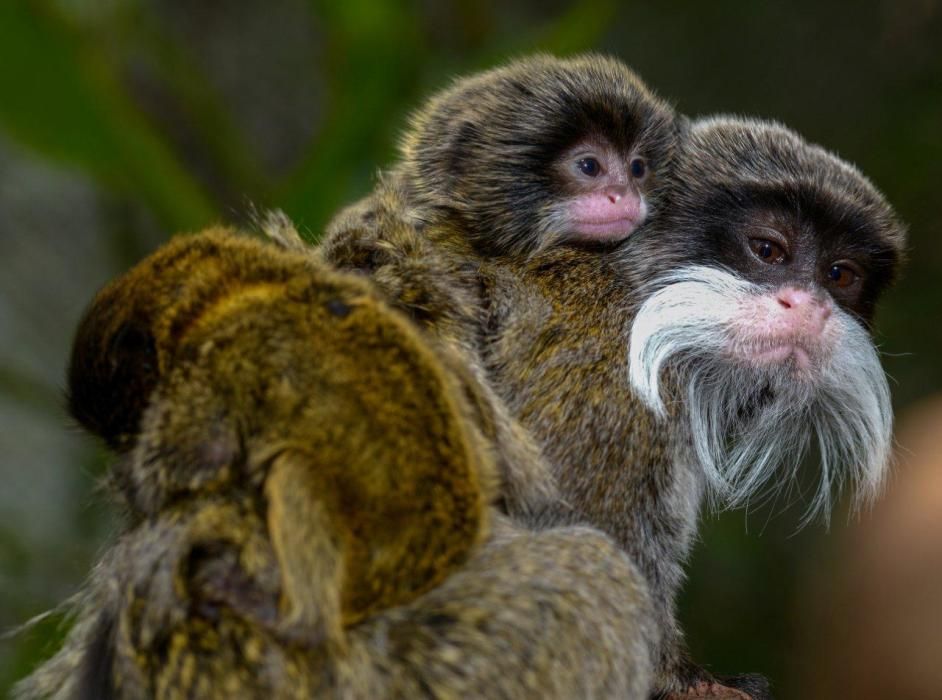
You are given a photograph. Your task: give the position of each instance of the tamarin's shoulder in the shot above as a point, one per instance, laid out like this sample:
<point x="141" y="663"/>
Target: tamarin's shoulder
<point x="424" y="269"/>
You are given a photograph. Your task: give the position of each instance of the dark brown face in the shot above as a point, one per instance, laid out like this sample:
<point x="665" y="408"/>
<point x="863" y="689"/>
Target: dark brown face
<point x="809" y="263"/>
<point x="832" y="248"/>
<point x="540" y="151"/>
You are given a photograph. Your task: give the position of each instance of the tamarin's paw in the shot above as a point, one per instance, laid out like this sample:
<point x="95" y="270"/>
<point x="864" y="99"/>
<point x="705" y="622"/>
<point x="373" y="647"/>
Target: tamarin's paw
<point x="754" y="685"/>
<point x="685" y="679"/>
<point x="750" y="686"/>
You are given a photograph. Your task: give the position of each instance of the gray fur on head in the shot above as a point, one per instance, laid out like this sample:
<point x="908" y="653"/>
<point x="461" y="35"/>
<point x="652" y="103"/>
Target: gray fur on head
<point x="745" y="421"/>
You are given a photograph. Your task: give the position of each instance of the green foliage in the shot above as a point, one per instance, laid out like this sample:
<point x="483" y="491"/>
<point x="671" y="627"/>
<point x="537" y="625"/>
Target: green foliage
<point x="61" y="97"/>
<point x="40" y="641"/>
<point x="66" y="95"/>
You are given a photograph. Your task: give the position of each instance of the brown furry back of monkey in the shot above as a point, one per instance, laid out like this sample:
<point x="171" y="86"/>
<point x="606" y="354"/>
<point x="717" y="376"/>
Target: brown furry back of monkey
<point x="308" y="483"/>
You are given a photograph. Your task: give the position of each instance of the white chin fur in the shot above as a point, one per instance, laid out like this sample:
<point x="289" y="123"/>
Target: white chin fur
<point x="745" y="422"/>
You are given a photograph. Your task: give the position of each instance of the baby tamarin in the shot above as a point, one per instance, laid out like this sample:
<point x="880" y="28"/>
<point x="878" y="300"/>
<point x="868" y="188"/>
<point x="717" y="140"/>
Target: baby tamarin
<point x="540" y="153"/>
<point x="309" y="484"/>
<point x="766" y="332"/>
<point x="482" y="191"/>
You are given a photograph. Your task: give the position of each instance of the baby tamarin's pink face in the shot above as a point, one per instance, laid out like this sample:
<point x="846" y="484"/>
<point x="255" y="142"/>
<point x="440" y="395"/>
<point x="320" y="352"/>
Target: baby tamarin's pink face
<point x="606" y="200"/>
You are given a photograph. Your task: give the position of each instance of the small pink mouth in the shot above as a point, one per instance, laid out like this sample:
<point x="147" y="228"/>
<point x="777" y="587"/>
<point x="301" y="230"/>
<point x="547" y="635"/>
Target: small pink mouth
<point x="606" y="229"/>
<point x="778" y="354"/>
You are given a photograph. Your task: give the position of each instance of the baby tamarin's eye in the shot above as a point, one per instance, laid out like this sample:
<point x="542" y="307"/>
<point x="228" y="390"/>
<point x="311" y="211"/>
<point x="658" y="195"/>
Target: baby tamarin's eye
<point x="589" y="166"/>
<point x="767" y="251"/>
<point x="638" y="168"/>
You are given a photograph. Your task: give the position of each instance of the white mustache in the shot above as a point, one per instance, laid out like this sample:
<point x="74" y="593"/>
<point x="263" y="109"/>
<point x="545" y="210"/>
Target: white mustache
<point x="746" y="422"/>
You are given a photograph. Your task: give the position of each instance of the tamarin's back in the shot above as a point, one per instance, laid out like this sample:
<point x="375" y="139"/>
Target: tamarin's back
<point x="431" y="274"/>
<point x="309" y="485"/>
<point x="270" y="374"/>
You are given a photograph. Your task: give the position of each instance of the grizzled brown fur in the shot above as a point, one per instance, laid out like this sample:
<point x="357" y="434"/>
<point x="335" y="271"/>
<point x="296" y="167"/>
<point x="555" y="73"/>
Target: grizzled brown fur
<point x="556" y="614"/>
<point x="271" y="376"/>
<point x="309" y="484"/>
<point x="439" y="286"/>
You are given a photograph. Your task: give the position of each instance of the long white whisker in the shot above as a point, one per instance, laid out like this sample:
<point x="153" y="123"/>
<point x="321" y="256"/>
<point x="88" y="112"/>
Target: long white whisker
<point x="750" y="426"/>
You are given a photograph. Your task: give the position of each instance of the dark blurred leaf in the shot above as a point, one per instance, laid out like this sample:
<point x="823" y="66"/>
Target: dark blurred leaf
<point x="61" y="99"/>
<point x="373" y="54"/>
<point x="575" y="31"/>
<point x="204" y="110"/>
<point x="27" y="390"/>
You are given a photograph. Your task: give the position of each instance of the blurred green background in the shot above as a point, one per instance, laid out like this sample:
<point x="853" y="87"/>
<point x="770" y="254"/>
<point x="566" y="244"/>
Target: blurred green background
<point x="124" y="121"/>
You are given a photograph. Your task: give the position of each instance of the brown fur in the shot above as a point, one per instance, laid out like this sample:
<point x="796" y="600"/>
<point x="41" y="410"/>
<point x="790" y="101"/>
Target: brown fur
<point x="439" y="286"/>
<point x="546" y="325"/>
<point x="308" y="482"/>
<point x="557" y="614"/>
<point x="271" y="374"/>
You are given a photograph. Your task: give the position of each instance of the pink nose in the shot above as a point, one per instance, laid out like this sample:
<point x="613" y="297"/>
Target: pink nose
<point x="615" y="193"/>
<point x="791" y="298"/>
<point x="802" y="309"/>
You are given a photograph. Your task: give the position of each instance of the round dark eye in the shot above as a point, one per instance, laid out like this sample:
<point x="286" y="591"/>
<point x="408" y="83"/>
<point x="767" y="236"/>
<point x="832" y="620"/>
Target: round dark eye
<point x="841" y="275"/>
<point x="638" y="168"/>
<point x="767" y="251"/>
<point x="589" y="166"/>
